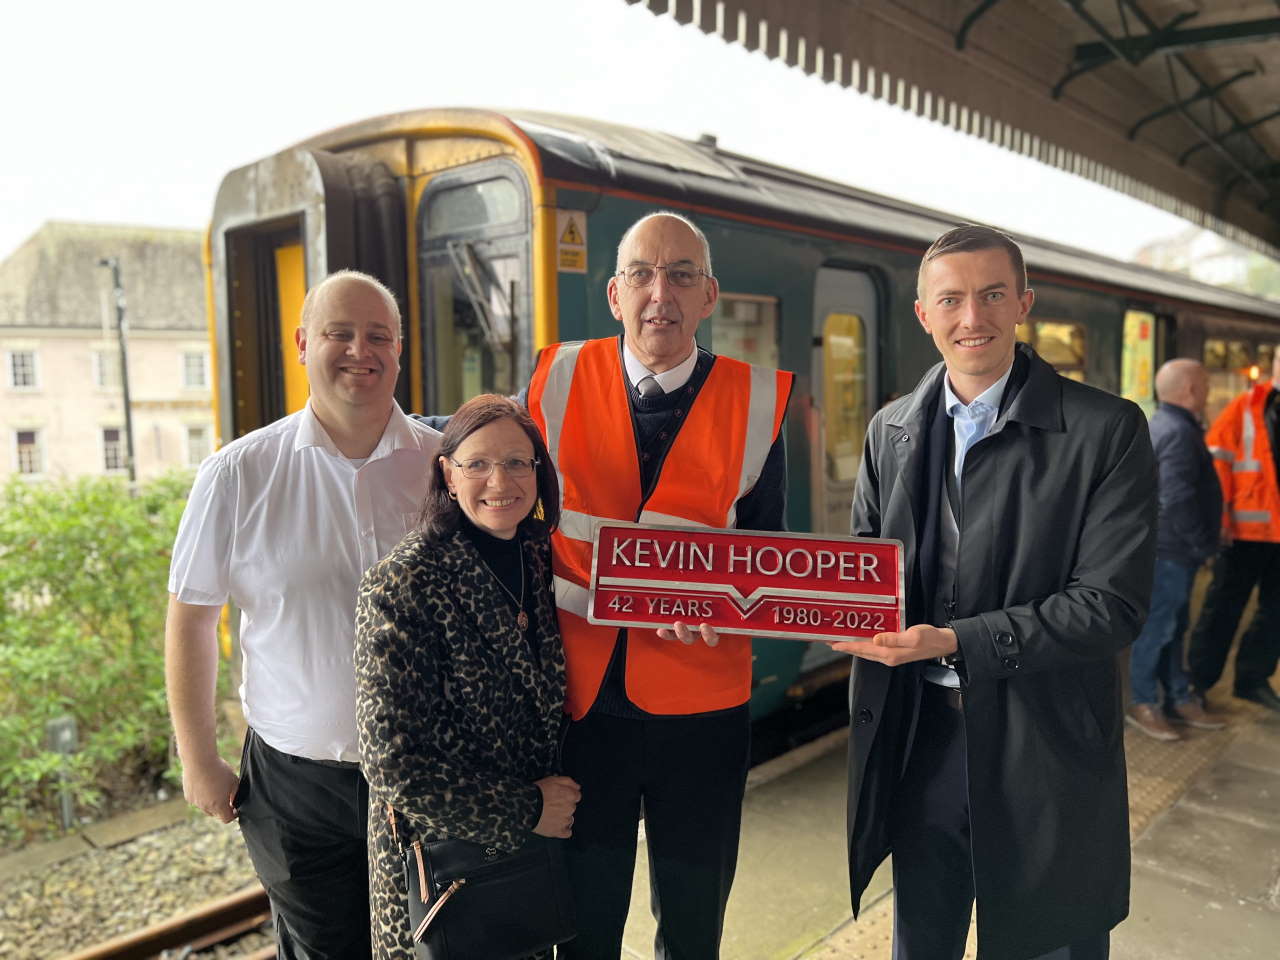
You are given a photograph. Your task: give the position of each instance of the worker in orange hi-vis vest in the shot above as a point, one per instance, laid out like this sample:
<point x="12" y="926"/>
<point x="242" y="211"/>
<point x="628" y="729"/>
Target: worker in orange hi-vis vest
<point x="650" y="427"/>
<point x="1245" y="443"/>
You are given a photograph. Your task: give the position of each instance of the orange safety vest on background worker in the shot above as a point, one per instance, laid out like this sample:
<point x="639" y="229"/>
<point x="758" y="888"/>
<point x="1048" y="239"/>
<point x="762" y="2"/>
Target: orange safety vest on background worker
<point x="578" y="398"/>
<point x="1246" y="466"/>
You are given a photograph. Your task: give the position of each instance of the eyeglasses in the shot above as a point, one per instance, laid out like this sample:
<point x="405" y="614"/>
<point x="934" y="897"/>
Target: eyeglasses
<point x="682" y="274"/>
<point x="479" y="469"/>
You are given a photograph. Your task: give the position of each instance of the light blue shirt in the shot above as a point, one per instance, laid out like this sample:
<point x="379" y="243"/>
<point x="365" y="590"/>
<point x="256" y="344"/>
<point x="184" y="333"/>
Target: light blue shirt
<point x="973" y="422"/>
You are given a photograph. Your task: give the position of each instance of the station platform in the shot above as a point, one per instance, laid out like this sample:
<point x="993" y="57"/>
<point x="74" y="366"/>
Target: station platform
<point x="1205" y="822"/>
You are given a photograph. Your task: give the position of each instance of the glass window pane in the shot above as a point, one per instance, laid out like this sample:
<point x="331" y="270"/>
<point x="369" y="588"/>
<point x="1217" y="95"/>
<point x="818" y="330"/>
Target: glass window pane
<point x="1061" y="344"/>
<point x="844" y="394"/>
<point x="473" y="205"/>
<point x="22" y="368"/>
<point x="1239" y="355"/>
<point x="193" y="371"/>
<point x="1266" y="357"/>
<point x="746" y="328"/>
<point x="1215" y="354"/>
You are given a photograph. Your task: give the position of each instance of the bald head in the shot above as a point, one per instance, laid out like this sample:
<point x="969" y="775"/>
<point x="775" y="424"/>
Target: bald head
<point x="345" y="288"/>
<point x="1184" y="383"/>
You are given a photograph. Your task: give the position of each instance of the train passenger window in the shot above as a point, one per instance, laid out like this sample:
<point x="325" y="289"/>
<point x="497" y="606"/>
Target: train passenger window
<point x="1266" y="356"/>
<point x="844" y="389"/>
<point x="1058" y="343"/>
<point x="1215" y="354"/>
<point x="1239" y="355"/>
<point x="486" y="203"/>
<point x="745" y="327"/>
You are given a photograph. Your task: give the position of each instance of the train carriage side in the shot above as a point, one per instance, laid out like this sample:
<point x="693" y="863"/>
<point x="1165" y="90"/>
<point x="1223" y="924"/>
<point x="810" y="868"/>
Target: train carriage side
<point x="499" y="235"/>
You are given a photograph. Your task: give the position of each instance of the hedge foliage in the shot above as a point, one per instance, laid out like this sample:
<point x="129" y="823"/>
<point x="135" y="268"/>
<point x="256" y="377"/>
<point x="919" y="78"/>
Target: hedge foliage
<point x="83" y="574"/>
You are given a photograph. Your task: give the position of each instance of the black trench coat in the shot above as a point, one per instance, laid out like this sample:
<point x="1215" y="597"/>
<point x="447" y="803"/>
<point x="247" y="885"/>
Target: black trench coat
<point x="1057" y="546"/>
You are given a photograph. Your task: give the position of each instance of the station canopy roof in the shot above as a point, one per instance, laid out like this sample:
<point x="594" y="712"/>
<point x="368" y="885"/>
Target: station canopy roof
<point x="1175" y="102"/>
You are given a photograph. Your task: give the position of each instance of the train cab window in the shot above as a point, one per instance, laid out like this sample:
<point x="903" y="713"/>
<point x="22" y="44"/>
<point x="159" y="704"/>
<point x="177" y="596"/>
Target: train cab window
<point x="474" y="205"/>
<point x="474" y="252"/>
<point x="745" y="327"/>
<point x="1060" y="344"/>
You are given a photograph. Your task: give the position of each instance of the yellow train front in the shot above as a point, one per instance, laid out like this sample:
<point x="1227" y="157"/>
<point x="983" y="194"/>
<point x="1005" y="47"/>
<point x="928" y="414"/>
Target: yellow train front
<point x="498" y="232"/>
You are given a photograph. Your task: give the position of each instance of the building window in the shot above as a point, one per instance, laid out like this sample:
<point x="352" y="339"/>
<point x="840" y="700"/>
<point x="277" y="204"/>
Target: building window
<point x="106" y="369"/>
<point x="197" y="445"/>
<point x="194" y="373"/>
<point x="22" y="369"/>
<point x="27" y="443"/>
<point x="113" y="452"/>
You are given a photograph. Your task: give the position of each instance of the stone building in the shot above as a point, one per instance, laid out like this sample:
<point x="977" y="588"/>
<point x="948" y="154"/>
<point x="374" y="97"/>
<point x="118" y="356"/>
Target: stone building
<point x="61" y="400"/>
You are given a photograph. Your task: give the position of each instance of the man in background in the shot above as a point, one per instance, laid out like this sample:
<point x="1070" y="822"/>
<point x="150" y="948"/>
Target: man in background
<point x="1245" y="443"/>
<point x="1187" y="536"/>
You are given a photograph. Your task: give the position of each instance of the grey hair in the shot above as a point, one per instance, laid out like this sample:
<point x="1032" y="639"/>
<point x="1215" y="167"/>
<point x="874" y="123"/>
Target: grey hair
<point x="315" y="296"/>
<point x="693" y="227"/>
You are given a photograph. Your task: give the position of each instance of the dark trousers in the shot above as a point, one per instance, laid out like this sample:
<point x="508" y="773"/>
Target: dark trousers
<point x="690" y="773"/>
<point x="929" y="834"/>
<point x="305" y="825"/>
<point x="1242" y="566"/>
<point x="1155" y="661"/>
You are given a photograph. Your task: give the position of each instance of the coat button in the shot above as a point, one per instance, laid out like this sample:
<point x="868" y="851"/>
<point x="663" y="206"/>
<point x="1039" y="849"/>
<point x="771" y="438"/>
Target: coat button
<point x="905" y="438"/>
<point x="863" y="716"/>
<point x="1009" y="663"/>
<point x="1004" y="638"/>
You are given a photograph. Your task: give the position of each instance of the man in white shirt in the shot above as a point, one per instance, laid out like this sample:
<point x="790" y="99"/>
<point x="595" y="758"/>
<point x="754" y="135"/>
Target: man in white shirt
<point x="284" y="521"/>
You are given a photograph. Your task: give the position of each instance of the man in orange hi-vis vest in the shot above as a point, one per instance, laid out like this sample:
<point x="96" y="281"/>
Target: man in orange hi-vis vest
<point x="1245" y="443"/>
<point x="650" y="427"/>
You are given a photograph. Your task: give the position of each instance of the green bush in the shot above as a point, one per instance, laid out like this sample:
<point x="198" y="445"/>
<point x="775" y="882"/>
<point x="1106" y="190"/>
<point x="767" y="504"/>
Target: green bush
<point x="83" y="575"/>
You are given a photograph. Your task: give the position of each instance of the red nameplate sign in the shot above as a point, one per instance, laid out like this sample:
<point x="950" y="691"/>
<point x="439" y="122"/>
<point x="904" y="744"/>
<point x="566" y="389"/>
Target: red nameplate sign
<point x="795" y="585"/>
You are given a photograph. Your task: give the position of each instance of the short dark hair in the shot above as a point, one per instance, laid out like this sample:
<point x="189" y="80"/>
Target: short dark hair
<point x="970" y="238"/>
<point x="440" y="514"/>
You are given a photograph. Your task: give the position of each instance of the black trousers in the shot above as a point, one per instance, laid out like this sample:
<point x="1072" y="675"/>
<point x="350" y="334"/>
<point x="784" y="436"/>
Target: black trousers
<point x="1238" y="569"/>
<point x="305" y="825"/>
<point x="929" y="833"/>
<point x="690" y="773"/>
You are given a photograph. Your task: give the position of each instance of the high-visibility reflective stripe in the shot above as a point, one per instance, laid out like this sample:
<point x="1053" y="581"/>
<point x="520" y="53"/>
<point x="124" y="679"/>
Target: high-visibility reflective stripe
<point x="760" y="410"/>
<point x="1248" y="439"/>
<point x="555" y="397"/>
<point x="668" y="520"/>
<point x="1251" y="516"/>
<point x="578" y="526"/>
<point x="570" y="597"/>
<point x="1220" y="453"/>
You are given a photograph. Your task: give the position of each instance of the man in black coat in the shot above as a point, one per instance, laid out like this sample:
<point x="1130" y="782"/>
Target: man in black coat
<point x="1190" y="516"/>
<point x="987" y="746"/>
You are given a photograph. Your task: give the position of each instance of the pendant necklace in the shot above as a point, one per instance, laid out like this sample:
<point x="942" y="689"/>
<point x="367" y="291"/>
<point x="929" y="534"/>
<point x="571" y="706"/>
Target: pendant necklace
<point x="522" y="618"/>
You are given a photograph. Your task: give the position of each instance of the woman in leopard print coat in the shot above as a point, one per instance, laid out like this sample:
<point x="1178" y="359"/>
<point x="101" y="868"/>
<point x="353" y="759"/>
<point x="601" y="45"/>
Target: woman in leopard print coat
<point x="459" y="710"/>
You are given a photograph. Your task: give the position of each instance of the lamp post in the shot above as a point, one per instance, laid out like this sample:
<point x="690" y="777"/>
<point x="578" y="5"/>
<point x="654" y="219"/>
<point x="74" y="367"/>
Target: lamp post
<point x="121" y="333"/>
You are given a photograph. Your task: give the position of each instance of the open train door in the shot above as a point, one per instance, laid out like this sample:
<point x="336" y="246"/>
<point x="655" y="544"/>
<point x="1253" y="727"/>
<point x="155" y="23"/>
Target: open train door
<point x="280" y="225"/>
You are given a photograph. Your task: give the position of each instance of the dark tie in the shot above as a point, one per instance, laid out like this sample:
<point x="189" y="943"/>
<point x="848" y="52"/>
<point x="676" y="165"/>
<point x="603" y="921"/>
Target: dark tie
<point x="648" y="387"/>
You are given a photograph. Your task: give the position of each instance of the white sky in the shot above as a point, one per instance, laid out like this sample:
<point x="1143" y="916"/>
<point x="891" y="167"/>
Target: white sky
<point x="132" y="112"/>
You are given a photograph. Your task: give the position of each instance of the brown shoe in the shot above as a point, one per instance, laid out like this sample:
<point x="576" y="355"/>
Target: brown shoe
<point x="1151" y="721"/>
<point x="1191" y="714"/>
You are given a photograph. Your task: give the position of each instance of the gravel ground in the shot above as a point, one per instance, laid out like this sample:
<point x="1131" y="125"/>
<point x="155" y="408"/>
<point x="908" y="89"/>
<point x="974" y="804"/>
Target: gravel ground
<point x="105" y="893"/>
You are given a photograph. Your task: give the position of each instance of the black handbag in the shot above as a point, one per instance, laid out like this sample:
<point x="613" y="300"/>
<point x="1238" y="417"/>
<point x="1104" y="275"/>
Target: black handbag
<point x="469" y="902"/>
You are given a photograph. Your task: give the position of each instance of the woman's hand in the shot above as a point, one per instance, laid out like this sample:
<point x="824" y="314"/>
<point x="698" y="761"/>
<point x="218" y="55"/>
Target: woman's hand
<point x="560" y="796"/>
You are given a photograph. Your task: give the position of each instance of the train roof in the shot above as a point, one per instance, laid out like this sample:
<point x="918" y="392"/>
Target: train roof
<point x="611" y="155"/>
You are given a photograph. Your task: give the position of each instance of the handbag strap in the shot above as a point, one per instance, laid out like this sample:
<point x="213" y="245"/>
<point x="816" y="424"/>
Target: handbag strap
<point x="421" y="932"/>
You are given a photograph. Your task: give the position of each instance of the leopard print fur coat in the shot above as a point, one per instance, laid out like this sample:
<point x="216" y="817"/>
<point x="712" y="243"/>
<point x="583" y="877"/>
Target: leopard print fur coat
<point x="457" y="716"/>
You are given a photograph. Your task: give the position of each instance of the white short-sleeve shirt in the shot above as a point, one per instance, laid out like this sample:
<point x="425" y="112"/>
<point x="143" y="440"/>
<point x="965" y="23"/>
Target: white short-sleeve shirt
<point x="284" y="525"/>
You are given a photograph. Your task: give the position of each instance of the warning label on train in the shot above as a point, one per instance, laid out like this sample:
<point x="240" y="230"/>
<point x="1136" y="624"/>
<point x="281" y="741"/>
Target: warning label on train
<point x="793" y="585"/>
<point x="571" y="241"/>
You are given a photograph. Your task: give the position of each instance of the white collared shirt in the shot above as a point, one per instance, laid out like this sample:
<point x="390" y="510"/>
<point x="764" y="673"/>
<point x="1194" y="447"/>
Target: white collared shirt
<point x="971" y="422"/>
<point x="668" y="380"/>
<point x="284" y="525"/>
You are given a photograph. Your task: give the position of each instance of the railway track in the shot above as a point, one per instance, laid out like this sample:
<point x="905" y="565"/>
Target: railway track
<point x="212" y="923"/>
